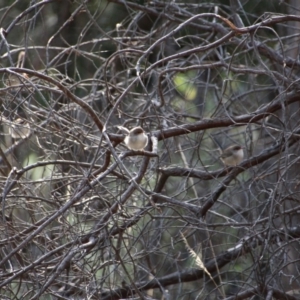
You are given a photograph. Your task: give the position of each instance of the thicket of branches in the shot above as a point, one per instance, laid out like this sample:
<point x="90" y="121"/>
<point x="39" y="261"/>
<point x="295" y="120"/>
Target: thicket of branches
<point x="82" y="216"/>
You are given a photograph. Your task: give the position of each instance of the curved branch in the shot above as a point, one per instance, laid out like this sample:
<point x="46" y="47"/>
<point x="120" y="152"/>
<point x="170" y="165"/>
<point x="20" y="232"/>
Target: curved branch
<point x="245" y="246"/>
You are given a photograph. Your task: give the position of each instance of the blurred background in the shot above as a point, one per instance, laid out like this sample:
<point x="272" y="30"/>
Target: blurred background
<point x="84" y="218"/>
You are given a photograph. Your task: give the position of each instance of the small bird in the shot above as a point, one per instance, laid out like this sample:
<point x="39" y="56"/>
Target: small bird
<point x="19" y="129"/>
<point x="232" y="156"/>
<point x="136" y="138"/>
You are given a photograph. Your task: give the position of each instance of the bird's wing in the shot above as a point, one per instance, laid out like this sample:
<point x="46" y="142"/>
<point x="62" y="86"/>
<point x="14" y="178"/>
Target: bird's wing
<point x="123" y="129"/>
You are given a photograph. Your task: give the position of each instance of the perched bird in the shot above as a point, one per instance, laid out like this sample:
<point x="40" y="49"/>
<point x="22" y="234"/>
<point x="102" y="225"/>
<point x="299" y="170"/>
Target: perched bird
<point x="232" y="156"/>
<point x="136" y="138"/>
<point x="19" y="129"/>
